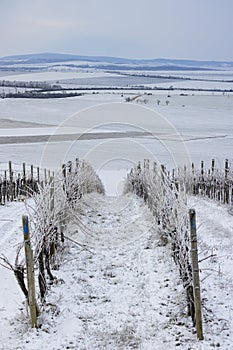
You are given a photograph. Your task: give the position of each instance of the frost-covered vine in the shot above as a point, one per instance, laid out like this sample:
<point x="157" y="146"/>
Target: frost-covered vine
<point x="50" y="209"/>
<point x="215" y="183"/>
<point x="167" y="201"/>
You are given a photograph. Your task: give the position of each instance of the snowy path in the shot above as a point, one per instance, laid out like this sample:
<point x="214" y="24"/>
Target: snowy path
<point x="123" y="291"/>
<point x="130" y="293"/>
<point x="215" y="236"/>
<point x="11" y="297"/>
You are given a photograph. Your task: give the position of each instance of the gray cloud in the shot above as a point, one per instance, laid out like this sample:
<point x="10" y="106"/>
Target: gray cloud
<point x="129" y="28"/>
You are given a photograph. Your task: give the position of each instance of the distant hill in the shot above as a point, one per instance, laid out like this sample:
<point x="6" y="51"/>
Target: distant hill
<point x="163" y="63"/>
<point x="57" y="57"/>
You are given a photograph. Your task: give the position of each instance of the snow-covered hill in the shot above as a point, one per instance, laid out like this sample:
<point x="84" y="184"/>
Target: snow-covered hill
<point x="57" y="57"/>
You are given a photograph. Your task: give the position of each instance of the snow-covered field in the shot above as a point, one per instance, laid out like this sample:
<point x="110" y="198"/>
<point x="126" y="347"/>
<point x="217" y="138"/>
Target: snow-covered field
<point x="126" y="295"/>
<point x="54" y="76"/>
<point x="202" y="121"/>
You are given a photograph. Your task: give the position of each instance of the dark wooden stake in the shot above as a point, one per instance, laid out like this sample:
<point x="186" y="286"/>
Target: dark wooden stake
<point x="30" y="272"/>
<point x="45" y="177"/>
<point x="11" y="182"/>
<point x="24" y="179"/>
<point x="38" y="175"/>
<point x="195" y="270"/>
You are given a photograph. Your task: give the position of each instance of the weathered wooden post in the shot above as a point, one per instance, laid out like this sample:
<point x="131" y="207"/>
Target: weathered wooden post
<point x="17" y="184"/>
<point x="226" y="186"/>
<point x="202" y="168"/>
<point x="163" y="175"/>
<point x="24" y="179"/>
<point x="38" y="176"/>
<point x="195" y="271"/>
<point x="185" y="184"/>
<point x="212" y="179"/>
<point x="45" y="177"/>
<point x="51" y="194"/>
<point x="11" y="182"/>
<point x="64" y="170"/>
<point x="30" y="272"/>
<point x="202" y="187"/>
<point x="193" y="169"/>
<point x="5" y="188"/>
<point x="32" y="179"/>
<point x="193" y="181"/>
<point x="226" y="168"/>
<point x="212" y="167"/>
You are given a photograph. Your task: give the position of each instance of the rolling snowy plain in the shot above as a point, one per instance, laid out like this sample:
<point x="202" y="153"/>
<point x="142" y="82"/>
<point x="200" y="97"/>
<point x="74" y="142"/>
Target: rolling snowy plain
<point x="126" y="297"/>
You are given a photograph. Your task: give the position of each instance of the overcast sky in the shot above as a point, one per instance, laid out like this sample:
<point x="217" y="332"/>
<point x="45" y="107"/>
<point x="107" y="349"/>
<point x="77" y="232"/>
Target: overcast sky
<point x="195" y="29"/>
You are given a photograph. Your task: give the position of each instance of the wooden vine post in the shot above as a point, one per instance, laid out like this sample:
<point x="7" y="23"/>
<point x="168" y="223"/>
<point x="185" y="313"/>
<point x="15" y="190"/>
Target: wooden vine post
<point x="212" y="179"/>
<point x="226" y="187"/>
<point x="11" y="182"/>
<point x="45" y="177"/>
<point x="24" y="179"/>
<point x="195" y="270"/>
<point x="32" y="179"/>
<point x="51" y="194"/>
<point x="38" y="175"/>
<point x="30" y="273"/>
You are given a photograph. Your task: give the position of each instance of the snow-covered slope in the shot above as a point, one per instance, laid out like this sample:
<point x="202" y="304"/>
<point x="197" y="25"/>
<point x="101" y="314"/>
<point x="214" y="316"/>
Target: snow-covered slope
<point x="215" y="235"/>
<point x="56" y="57"/>
<point x="11" y="297"/>
<point x="123" y="291"/>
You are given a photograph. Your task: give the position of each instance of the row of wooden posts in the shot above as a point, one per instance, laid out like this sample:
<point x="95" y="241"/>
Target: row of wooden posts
<point x="211" y="182"/>
<point x="34" y="309"/>
<point x="16" y="183"/>
<point x="203" y="182"/>
<point x="51" y="234"/>
<point x="29" y="254"/>
<point x="140" y="188"/>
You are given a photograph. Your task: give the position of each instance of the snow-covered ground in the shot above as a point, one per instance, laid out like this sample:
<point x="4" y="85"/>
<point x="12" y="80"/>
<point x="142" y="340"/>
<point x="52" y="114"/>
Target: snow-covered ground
<point x="11" y="297"/>
<point x="203" y="121"/>
<point x="54" y="76"/>
<point x="215" y="236"/>
<point x="123" y="291"/>
<point x="75" y="77"/>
